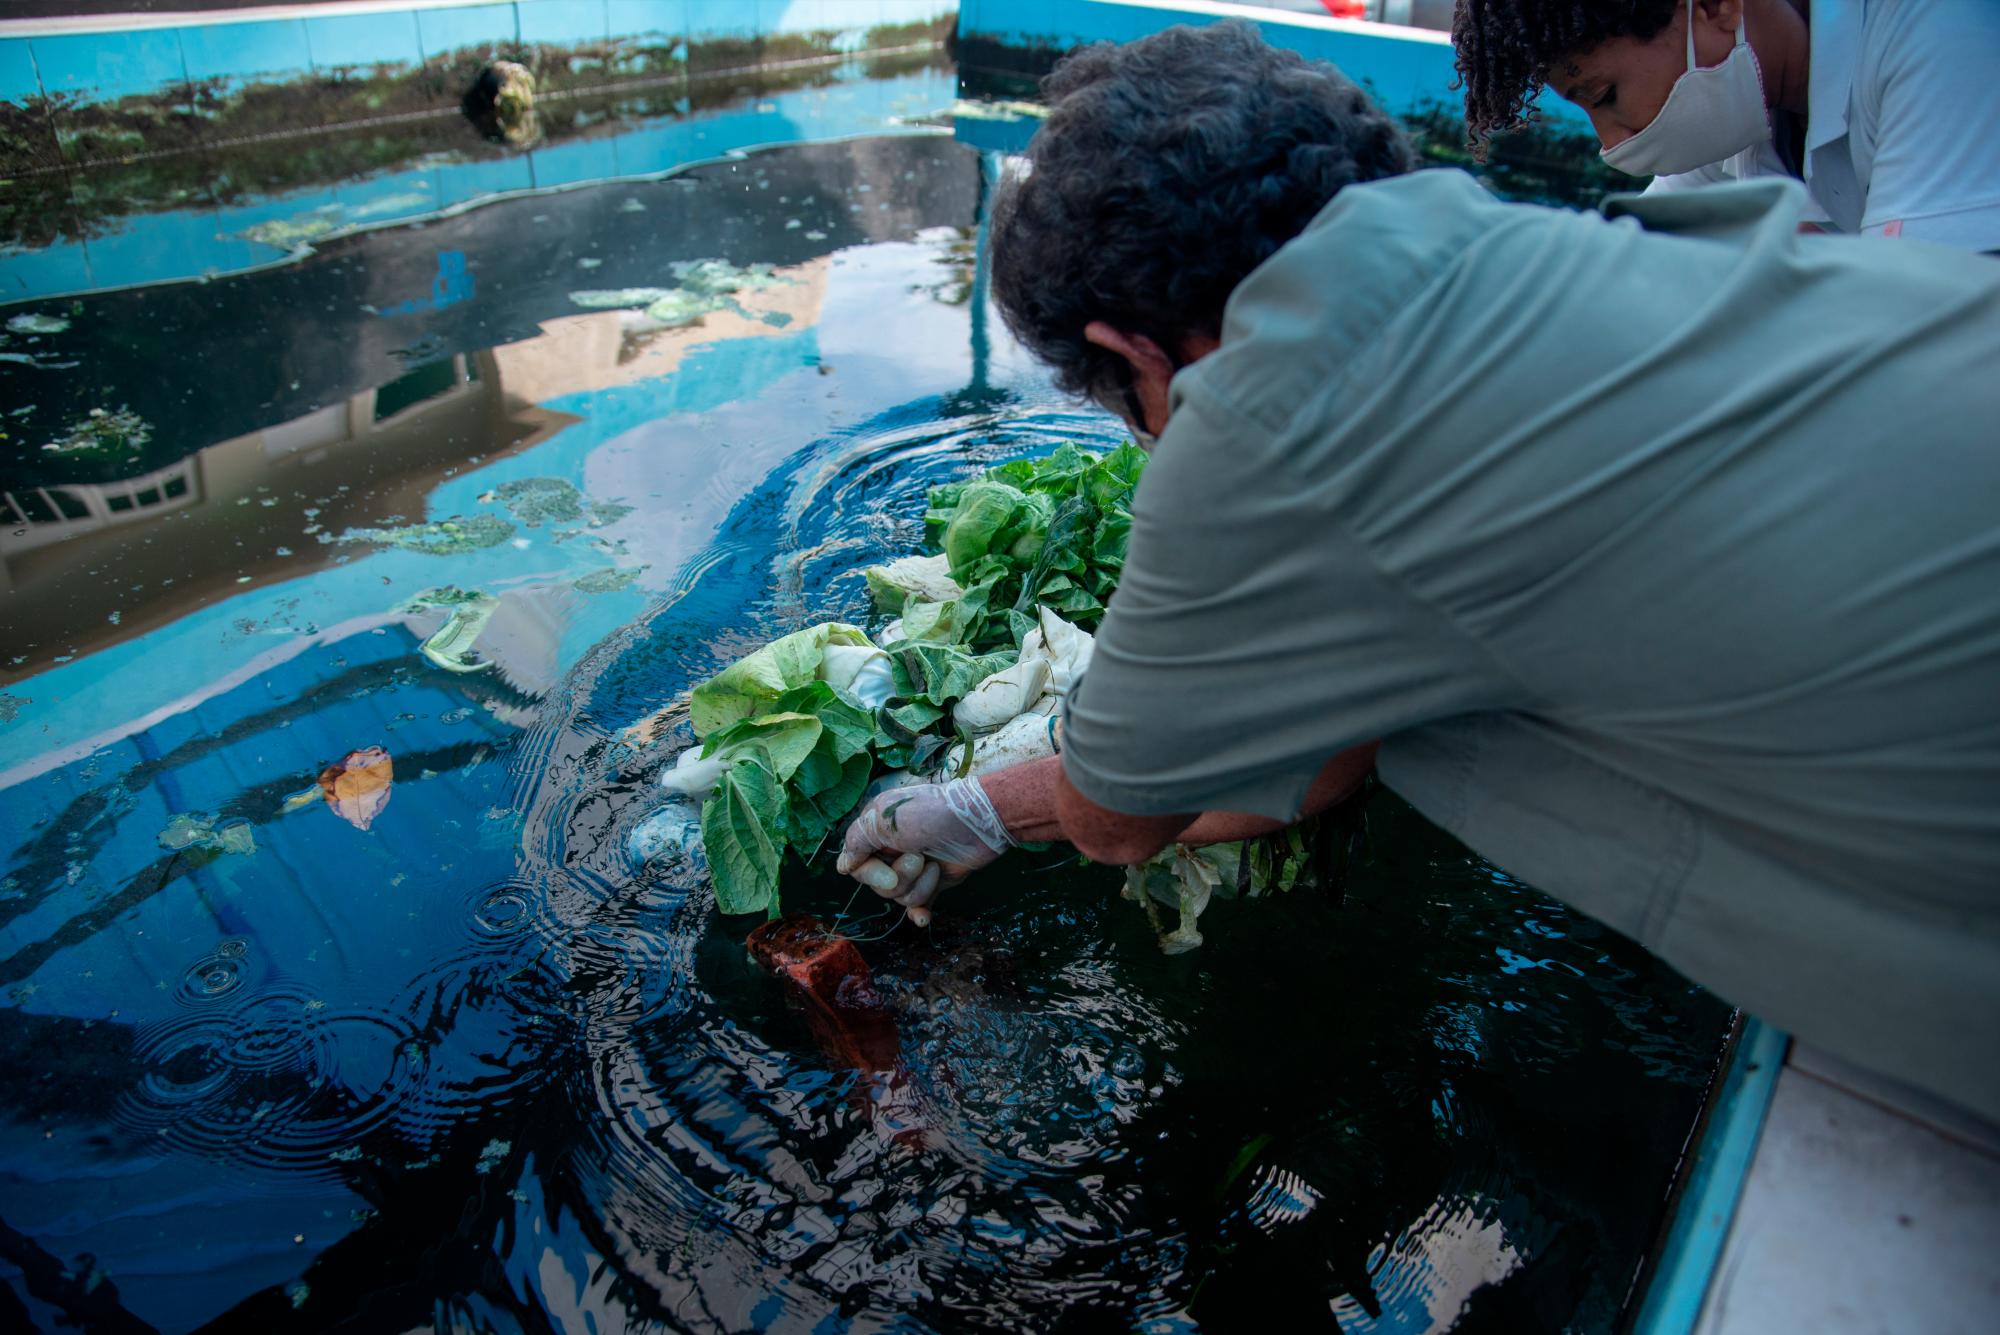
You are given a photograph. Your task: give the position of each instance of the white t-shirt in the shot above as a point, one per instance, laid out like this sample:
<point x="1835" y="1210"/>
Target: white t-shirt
<point x="1902" y="123"/>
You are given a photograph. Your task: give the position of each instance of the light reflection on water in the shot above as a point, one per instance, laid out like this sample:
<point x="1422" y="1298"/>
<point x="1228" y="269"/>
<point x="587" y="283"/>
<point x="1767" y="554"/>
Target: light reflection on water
<point x="473" y="1067"/>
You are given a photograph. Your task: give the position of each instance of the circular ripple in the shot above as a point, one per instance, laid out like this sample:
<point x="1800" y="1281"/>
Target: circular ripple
<point x="505" y="911"/>
<point x="272" y="1079"/>
<point x="211" y="979"/>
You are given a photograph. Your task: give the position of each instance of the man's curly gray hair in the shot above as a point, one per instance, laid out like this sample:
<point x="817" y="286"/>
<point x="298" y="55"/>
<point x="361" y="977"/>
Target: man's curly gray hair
<point x="1167" y="170"/>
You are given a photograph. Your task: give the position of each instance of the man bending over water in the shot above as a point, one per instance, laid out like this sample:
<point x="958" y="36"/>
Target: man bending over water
<point x="1658" y="550"/>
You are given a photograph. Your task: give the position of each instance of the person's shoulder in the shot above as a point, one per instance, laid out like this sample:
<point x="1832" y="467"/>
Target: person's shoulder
<point x="1298" y="316"/>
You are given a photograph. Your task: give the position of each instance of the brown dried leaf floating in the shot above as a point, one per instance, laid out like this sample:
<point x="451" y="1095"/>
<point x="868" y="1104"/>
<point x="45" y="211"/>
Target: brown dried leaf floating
<point x="357" y="786"/>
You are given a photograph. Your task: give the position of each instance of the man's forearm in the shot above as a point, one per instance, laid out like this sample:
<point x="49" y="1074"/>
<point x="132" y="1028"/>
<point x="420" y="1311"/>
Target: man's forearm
<point x="1339" y="779"/>
<point x="1036" y="803"/>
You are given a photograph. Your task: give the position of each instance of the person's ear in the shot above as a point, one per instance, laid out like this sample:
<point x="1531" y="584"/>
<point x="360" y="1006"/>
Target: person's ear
<point x="1715" y="25"/>
<point x="1152" y="369"/>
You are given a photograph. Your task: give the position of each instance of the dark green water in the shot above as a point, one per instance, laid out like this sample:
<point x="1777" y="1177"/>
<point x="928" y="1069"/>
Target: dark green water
<point x="473" y="1068"/>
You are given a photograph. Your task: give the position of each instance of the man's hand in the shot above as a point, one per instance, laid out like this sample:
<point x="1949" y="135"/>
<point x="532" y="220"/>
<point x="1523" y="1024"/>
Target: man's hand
<point x="909" y="843"/>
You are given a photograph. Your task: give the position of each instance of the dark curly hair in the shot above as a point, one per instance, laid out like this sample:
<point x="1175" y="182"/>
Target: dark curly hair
<point x="1506" y="49"/>
<point x="1168" y="169"/>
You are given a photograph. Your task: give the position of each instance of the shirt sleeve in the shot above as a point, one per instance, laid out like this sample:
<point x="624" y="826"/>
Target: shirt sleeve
<point x="1925" y="87"/>
<point x="1250" y="638"/>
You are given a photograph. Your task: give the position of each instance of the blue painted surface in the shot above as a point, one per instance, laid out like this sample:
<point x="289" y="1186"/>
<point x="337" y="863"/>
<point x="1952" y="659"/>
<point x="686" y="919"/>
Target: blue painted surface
<point x="18" y="81"/>
<point x="246" y="53"/>
<point x="160" y="57"/>
<point x="562" y="22"/>
<point x="110" y="65"/>
<point x="187" y="243"/>
<point x="1700" y="1225"/>
<point x="484" y="29"/>
<point x="1403" y="70"/>
<point x="364" y="41"/>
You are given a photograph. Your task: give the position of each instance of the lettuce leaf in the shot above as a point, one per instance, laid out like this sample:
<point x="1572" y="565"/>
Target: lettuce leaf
<point x="782" y="741"/>
<point x="742" y="830"/>
<point x="750" y="684"/>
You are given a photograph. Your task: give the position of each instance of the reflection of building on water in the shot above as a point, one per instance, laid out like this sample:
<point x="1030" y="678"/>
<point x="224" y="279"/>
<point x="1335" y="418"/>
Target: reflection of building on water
<point x="50" y="514"/>
<point x="264" y="505"/>
<point x="58" y="512"/>
<point x="254" y="506"/>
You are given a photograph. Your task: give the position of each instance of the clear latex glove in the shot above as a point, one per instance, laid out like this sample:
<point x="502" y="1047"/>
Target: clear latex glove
<point x="909" y="843"/>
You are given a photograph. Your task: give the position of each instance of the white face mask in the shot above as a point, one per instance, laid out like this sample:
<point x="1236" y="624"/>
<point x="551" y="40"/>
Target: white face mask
<point x="1711" y="114"/>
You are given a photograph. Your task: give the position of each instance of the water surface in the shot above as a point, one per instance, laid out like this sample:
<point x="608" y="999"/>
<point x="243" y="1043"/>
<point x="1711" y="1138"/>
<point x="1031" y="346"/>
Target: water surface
<point x="471" y="1067"/>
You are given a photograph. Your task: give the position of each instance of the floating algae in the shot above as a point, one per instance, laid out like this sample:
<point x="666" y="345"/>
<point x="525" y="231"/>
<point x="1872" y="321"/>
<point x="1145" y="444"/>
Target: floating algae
<point x="445" y="595"/>
<point x="997" y="111"/>
<point x="104" y="434"/>
<point x="680" y="306"/>
<point x="291" y="233"/>
<point x="443" y="537"/>
<point x="612" y="298"/>
<point x="538" y="500"/>
<point x="703" y="288"/>
<point x="608" y="580"/>
<point x="718" y="278"/>
<point x="10" y="705"/>
<point x="195" y="830"/>
<point x="32" y="323"/>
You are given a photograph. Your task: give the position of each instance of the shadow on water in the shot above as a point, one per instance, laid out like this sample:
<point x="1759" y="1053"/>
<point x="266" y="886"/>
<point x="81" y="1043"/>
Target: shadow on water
<point x="278" y="1058"/>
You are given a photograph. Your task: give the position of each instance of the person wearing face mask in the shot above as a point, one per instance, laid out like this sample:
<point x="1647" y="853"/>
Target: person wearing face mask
<point x="1888" y="110"/>
<point x="1654" y="551"/>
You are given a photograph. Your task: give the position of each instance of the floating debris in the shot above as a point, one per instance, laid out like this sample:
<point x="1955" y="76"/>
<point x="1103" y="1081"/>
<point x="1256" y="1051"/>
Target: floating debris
<point x="444" y="595"/>
<point x="451" y="645"/>
<point x="608" y="580"/>
<point x="298" y="1291"/>
<point x="631" y="206"/>
<point x="539" y="500"/>
<point x="104" y="434"/>
<point x="443" y="537"/>
<point x="193" y="829"/>
<point x="704" y="287"/>
<point x="33" y="323"/>
<point x="292" y="233"/>
<point x="997" y="111"/>
<point x="493" y="1155"/>
<point x="616" y="297"/>
<point x="357" y="786"/>
<point x="680" y="307"/>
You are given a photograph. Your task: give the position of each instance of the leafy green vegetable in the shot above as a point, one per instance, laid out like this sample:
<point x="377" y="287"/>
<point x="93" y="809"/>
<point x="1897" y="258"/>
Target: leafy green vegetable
<point x="938" y="674"/>
<point x="737" y="829"/>
<point x="750" y="684"/>
<point x="782" y="741"/>
<point x="920" y="577"/>
<point x="1048" y="532"/>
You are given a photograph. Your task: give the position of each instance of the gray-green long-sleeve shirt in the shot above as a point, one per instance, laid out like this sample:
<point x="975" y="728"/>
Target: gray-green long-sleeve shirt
<point x="1662" y="550"/>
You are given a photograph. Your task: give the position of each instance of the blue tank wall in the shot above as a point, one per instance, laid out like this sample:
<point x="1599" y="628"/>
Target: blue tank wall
<point x="1405" y="69"/>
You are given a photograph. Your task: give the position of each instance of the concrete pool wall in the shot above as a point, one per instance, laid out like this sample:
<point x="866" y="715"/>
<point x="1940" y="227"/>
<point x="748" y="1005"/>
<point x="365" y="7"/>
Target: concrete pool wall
<point x="108" y="126"/>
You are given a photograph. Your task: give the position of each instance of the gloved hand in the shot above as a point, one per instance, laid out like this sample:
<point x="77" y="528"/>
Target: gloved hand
<point x="909" y="843"/>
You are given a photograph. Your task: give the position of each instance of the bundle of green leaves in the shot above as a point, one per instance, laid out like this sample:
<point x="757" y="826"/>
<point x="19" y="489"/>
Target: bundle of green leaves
<point x="800" y="747"/>
<point x="797" y="750"/>
<point x="1047" y="532"/>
